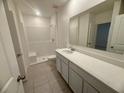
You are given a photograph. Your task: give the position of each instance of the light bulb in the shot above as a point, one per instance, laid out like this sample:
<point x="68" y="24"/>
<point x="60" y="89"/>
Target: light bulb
<point x="38" y="13"/>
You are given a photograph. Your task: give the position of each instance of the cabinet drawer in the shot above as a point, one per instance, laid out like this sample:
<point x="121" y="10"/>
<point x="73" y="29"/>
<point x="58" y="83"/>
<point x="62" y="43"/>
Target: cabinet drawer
<point x="58" y="55"/>
<point x="62" y="58"/>
<point x="89" y="89"/>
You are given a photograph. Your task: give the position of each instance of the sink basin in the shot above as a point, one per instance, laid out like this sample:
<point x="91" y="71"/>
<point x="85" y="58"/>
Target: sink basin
<point x="68" y="51"/>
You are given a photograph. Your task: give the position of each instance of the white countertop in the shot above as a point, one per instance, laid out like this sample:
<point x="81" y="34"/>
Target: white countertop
<point x="111" y="75"/>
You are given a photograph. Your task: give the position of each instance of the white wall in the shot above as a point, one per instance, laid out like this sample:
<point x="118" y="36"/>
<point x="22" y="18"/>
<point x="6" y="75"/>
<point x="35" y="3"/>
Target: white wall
<point x="38" y="30"/>
<point x="72" y="8"/>
<point x="103" y="17"/>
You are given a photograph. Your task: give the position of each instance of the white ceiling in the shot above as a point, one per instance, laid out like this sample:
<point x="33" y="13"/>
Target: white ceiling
<point x="46" y="7"/>
<point x="108" y="5"/>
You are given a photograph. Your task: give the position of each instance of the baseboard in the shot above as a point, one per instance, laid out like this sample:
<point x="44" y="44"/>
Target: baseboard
<point x="35" y="63"/>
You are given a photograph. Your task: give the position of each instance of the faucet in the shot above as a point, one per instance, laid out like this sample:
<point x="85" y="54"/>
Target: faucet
<point x="72" y="49"/>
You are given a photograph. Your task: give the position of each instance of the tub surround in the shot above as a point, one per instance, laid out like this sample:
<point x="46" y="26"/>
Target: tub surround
<point x="111" y="75"/>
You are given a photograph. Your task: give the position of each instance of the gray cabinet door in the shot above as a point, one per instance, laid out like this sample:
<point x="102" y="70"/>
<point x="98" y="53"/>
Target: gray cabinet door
<point x="65" y="71"/>
<point x="75" y="81"/>
<point x="89" y="89"/>
<point x="58" y="64"/>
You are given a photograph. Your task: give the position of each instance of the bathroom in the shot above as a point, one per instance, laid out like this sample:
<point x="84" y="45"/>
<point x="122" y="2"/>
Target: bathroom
<point x="62" y="46"/>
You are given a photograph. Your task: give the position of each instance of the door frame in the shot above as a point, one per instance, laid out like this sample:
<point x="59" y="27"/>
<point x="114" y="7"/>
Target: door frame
<point x="15" y="38"/>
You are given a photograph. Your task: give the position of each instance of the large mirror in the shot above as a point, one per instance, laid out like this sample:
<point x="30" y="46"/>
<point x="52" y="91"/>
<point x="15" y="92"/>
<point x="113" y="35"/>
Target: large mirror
<point x="101" y="27"/>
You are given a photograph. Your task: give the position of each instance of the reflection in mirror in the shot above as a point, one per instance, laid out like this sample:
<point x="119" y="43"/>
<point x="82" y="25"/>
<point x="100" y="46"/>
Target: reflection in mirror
<point x="100" y="27"/>
<point x="83" y="28"/>
<point x="74" y="31"/>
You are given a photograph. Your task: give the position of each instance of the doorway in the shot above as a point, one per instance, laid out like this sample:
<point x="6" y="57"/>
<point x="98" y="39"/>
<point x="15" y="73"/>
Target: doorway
<point x="102" y="36"/>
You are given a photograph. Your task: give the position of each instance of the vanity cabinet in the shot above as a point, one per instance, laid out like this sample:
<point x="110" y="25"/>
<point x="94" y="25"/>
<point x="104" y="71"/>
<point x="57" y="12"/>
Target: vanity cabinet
<point x="75" y="81"/>
<point x="78" y="79"/>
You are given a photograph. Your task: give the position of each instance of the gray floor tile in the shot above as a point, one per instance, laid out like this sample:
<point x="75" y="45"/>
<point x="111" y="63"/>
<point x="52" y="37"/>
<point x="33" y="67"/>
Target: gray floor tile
<point x="43" y="89"/>
<point x="44" y="78"/>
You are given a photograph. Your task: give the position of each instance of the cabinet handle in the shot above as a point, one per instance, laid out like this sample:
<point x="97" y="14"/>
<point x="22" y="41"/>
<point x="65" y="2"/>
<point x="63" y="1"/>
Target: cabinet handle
<point x="20" y="78"/>
<point x="19" y="55"/>
<point x="112" y="47"/>
<point x="89" y="43"/>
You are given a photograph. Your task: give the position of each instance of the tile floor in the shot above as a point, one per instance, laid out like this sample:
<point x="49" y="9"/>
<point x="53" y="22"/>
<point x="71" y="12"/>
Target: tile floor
<point x="44" y="78"/>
